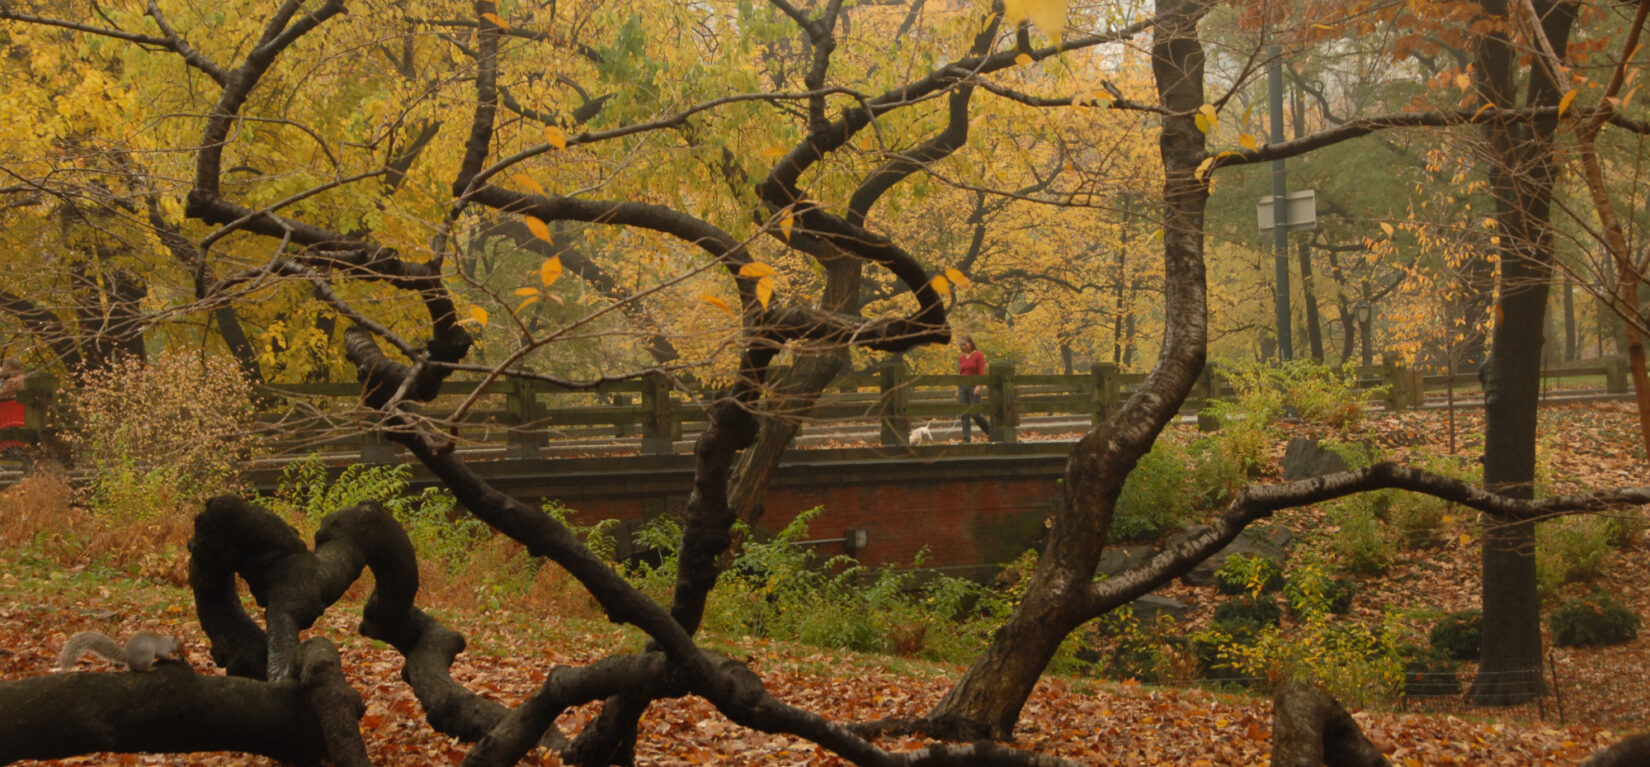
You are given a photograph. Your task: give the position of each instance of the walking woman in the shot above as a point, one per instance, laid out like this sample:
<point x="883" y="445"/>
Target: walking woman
<point x="971" y="363"/>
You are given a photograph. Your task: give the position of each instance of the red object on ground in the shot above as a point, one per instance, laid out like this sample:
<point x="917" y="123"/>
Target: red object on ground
<point x="11" y="414"/>
<point x="11" y="417"/>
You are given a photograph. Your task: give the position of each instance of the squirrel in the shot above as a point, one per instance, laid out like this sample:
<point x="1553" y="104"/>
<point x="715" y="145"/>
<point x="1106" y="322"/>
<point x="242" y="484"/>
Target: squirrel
<point x="139" y="654"/>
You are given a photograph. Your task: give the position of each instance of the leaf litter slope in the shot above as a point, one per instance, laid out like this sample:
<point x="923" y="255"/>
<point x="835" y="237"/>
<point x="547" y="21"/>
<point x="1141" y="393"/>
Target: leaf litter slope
<point x="1098" y="723"/>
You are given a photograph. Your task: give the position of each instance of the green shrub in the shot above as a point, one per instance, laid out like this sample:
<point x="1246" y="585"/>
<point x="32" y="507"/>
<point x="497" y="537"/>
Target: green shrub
<point x="1570" y="550"/>
<point x="1249" y="612"/>
<point x="1154" y="498"/>
<point x="1324" y="395"/>
<point x="1215" y="651"/>
<point x="1352" y="662"/>
<point x="305" y="494"/>
<point x="1362" y="547"/>
<point x="1314" y="392"/>
<point x="1241" y="574"/>
<point x="1458" y="635"/>
<point x="1311" y="592"/>
<point x="1428" y="674"/>
<point x="1216" y="473"/>
<point x="1141" y="652"/>
<point x="777" y="588"/>
<point x="1599" y="619"/>
<point x="1623" y="528"/>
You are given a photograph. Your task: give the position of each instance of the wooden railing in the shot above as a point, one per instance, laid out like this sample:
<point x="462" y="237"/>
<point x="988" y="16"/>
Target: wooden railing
<point x="521" y="418"/>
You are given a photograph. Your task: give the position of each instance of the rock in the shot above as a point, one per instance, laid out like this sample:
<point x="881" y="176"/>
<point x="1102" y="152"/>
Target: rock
<point x="1204" y="573"/>
<point x="1147" y="608"/>
<point x="1306" y="458"/>
<point x="1117" y="559"/>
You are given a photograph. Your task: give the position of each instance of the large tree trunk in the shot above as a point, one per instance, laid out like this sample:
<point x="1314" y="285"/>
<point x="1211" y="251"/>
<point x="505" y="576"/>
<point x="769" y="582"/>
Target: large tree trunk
<point x="1311" y="729"/>
<point x="988" y="699"/>
<point x="1314" y="329"/>
<point x="1521" y="178"/>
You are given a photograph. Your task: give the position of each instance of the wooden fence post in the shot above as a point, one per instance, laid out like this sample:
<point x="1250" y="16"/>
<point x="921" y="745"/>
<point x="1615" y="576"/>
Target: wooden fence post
<point x="1615" y="374"/>
<point x="891" y="406"/>
<point x="524" y="436"/>
<point x="623" y="429"/>
<point x="1005" y="413"/>
<point x="1105" y="394"/>
<point x="1392" y="375"/>
<point x="1207" y="388"/>
<point x="659" y="426"/>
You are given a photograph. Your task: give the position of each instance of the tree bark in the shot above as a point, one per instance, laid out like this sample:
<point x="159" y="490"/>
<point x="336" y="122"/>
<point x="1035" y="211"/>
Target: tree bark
<point x="1310" y="729"/>
<point x="1631" y="752"/>
<point x="1521" y="173"/>
<point x="171" y="709"/>
<point x="987" y="700"/>
<point x="1314" y="329"/>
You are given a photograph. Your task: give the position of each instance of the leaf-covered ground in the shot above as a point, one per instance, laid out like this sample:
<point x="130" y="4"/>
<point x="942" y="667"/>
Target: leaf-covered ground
<point x="1102" y="723"/>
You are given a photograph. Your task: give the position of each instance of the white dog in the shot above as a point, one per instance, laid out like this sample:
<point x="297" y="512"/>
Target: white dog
<point x="923" y="434"/>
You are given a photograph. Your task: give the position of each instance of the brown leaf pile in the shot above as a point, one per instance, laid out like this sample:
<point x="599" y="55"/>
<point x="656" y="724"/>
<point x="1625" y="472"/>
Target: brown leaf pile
<point x="1095" y="722"/>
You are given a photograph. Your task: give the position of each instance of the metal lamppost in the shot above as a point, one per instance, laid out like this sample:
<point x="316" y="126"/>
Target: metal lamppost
<point x="1362" y="311"/>
<point x="1282" y="210"/>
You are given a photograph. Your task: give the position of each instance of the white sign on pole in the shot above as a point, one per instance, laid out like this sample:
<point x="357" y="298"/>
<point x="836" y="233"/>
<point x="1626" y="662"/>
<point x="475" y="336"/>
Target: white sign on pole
<point x="1300" y="211"/>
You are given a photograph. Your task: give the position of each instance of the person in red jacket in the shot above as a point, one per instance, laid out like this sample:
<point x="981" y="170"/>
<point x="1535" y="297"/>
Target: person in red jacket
<point x="971" y="363"/>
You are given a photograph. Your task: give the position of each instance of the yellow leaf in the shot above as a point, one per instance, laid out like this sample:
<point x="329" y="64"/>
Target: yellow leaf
<point x="985" y="21"/>
<point x="716" y="302"/>
<point x="1248" y="141"/>
<point x="479" y="315"/>
<point x="756" y="269"/>
<point x="1210" y="116"/>
<point x="1157" y="236"/>
<point x="957" y="277"/>
<point x="527" y="303"/>
<point x="531" y="184"/>
<point x="1201" y="122"/>
<point x="1564" y="101"/>
<point x="1023" y="59"/>
<point x="940" y="284"/>
<point x="764" y="291"/>
<point x="1047" y="15"/>
<point x="550" y="271"/>
<point x="1203" y="168"/>
<point x="528" y="291"/>
<point x="1463" y="82"/>
<point x="773" y="151"/>
<point x="555" y="136"/>
<point x="538" y="228"/>
<point x="1465" y="539"/>
<point x="785" y="223"/>
<point x="1386" y="227"/>
<point x="497" y="19"/>
<point x="1480" y="111"/>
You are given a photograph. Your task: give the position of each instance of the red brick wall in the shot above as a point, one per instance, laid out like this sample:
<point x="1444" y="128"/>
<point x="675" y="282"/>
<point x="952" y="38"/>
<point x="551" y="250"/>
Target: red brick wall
<point x="964" y="518"/>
